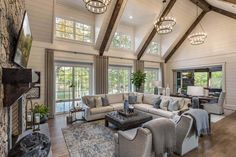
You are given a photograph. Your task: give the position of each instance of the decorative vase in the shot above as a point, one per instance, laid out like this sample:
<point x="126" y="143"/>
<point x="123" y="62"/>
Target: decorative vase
<point x="167" y="90"/>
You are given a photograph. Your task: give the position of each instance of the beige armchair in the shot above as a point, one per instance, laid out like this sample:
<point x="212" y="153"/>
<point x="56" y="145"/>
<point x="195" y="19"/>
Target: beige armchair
<point x="216" y="108"/>
<point x="186" y="138"/>
<point x="133" y="143"/>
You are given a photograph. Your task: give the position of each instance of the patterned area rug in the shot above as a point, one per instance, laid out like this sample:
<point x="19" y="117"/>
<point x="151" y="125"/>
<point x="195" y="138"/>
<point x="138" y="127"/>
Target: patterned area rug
<point x="91" y="139"/>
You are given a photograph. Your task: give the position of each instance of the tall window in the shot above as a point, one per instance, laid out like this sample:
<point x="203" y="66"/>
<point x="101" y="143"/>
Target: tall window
<point x="73" y="30"/>
<point x="216" y="79"/>
<point x="201" y="79"/>
<point x="122" y="40"/>
<point x="72" y="82"/>
<point x="153" y="48"/>
<point x="119" y="79"/>
<point x="152" y="74"/>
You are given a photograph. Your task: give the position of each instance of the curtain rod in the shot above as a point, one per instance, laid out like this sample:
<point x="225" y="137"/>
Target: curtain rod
<point x="82" y="53"/>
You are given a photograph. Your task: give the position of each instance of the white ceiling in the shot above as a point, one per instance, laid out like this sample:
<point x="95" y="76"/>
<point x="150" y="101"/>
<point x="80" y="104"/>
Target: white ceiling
<point x="73" y="3"/>
<point x="223" y="5"/>
<point x="142" y="11"/>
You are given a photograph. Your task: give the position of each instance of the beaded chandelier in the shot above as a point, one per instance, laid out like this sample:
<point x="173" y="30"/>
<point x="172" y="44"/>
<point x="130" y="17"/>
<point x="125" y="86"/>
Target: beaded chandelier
<point x="97" y="6"/>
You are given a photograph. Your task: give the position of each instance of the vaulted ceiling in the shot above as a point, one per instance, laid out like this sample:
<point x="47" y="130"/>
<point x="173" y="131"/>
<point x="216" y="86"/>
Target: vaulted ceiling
<point x="139" y="16"/>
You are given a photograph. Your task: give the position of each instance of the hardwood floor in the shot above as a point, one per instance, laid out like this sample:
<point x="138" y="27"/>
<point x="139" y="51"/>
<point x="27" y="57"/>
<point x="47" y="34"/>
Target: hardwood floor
<point x="221" y="143"/>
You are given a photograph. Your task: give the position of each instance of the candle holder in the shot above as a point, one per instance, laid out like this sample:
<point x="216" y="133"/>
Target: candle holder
<point x="29" y="114"/>
<point x="36" y="122"/>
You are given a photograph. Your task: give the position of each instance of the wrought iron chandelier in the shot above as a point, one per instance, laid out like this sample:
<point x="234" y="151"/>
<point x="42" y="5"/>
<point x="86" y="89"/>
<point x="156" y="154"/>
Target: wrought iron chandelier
<point x="97" y="6"/>
<point x="165" y="25"/>
<point x="198" y="38"/>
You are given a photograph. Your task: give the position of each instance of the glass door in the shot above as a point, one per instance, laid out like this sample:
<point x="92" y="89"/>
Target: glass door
<point x="72" y="82"/>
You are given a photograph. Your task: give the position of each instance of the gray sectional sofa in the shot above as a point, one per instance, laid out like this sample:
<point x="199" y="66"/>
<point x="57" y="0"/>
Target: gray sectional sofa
<point x="95" y="110"/>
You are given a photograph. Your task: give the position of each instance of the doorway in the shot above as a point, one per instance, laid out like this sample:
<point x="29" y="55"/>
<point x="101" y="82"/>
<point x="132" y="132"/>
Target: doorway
<point x="73" y="81"/>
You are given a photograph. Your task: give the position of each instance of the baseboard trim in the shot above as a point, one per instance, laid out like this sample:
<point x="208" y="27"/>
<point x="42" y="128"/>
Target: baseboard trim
<point x="230" y="107"/>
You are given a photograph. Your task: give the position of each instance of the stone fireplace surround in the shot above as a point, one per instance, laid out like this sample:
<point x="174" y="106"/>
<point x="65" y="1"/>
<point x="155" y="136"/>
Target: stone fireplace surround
<point x="11" y="13"/>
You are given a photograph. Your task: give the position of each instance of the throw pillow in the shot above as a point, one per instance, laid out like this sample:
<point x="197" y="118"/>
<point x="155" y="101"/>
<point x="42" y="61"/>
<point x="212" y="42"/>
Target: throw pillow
<point x="126" y="95"/>
<point x="164" y="104"/>
<point x="156" y="102"/>
<point x="105" y="101"/>
<point x="132" y="99"/>
<point x="139" y="98"/>
<point x="98" y="101"/>
<point x="91" y="102"/>
<point x="173" y="105"/>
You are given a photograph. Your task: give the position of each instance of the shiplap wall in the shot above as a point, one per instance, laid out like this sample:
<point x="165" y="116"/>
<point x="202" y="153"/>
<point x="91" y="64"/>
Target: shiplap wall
<point x="41" y="19"/>
<point x="219" y="49"/>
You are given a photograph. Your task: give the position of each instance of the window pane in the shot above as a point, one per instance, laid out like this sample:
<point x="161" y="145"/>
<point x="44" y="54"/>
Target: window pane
<point x="73" y="30"/>
<point x="121" y="41"/>
<point x="153" y="48"/>
<point x="151" y="75"/>
<point x="201" y="79"/>
<point x="216" y="79"/>
<point x="119" y="79"/>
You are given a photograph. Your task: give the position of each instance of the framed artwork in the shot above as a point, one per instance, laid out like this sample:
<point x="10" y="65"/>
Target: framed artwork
<point x="33" y="93"/>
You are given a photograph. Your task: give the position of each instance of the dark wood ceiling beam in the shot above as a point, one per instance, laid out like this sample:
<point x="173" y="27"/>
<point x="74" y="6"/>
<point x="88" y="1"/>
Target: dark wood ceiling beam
<point x="153" y="32"/>
<point x="187" y="33"/>
<point x="110" y="27"/>
<point x="202" y="4"/>
<point x="224" y="12"/>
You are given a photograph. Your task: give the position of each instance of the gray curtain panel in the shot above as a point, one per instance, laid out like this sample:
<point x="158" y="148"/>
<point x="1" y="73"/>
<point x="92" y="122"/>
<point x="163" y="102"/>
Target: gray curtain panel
<point x="139" y="65"/>
<point x="162" y="74"/>
<point x="49" y="81"/>
<point x="101" y="74"/>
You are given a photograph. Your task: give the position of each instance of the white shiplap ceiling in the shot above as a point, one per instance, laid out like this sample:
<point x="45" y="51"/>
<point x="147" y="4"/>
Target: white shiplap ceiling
<point x="142" y="11"/>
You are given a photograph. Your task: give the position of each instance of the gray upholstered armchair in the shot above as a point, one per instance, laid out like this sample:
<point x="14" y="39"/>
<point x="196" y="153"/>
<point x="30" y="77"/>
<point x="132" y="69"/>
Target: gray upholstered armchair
<point x="218" y="107"/>
<point x="133" y="143"/>
<point x="186" y="138"/>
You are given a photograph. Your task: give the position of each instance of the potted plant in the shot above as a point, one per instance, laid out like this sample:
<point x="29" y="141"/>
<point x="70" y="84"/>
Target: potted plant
<point x="138" y="78"/>
<point x="43" y="111"/>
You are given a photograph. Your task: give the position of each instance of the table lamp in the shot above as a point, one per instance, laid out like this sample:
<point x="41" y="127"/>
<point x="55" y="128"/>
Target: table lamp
<point x="157" y="87"/>
<point x="195" y="91"/>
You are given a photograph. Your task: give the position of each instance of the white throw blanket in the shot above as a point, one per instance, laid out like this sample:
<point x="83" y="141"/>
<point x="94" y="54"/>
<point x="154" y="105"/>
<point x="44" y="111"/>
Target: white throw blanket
<point x="163" y="133"/>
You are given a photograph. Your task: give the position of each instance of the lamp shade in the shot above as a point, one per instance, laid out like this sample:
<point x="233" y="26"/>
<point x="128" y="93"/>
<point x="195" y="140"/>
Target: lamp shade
<point x="157" y="83"/>
<point x="195" y="91"/>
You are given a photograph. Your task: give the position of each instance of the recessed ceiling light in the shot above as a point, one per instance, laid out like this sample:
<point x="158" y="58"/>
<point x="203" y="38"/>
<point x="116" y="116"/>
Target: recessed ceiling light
<point x="131" y="17"/>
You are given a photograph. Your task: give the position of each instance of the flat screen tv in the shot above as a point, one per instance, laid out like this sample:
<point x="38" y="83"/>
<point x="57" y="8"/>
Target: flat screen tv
<point x="24" y="43"/>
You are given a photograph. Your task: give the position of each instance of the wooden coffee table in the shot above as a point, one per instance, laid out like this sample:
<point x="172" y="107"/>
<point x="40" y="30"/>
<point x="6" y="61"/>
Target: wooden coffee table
<point x="125" y="123"/>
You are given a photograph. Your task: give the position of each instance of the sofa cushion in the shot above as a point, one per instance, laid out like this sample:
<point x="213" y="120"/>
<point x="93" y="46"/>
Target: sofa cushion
<point x="126" y="95"/>
<point x="118" y="106"/>
<point x="161" y="112"/>
<point x="139" y="98"/>
<point x="143" y="107"/>
<point x="148" y="98"/>
<point x="156" y="102"/>
<point x="90" y="102"/>
<point x="101" y="110"/>
<point x="164" y="104"/>
<point x="180" y="100"/>
<point x="114" y="98"/>
<point x="98" y="101"/>
<point x="105" y="101"/>
<point x="173" y="105"/>
<point x="132" y="99"/>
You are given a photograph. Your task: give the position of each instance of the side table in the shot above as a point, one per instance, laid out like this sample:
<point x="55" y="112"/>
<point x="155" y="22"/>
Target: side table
<point x="73" y="115"/>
